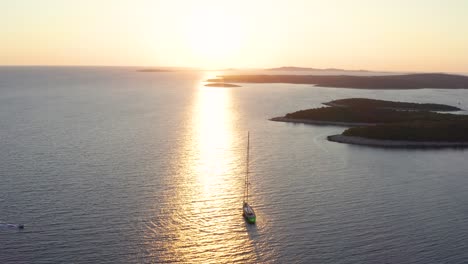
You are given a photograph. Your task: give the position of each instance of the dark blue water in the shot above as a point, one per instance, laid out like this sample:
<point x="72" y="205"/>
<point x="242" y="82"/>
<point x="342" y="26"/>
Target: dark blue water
<point x="109" y="165"/>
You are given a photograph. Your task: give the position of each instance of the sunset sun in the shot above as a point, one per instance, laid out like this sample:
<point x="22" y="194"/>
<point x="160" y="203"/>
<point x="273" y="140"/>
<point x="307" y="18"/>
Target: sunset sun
<point x="213" y="36"/>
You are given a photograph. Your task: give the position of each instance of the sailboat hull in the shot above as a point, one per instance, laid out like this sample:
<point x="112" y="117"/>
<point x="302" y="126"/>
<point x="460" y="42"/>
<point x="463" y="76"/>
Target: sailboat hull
<point x="249" y="214"/>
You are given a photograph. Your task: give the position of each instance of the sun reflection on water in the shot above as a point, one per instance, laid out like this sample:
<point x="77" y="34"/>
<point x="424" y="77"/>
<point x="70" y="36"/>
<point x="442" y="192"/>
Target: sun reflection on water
<point x="213" y="132"/>
<point x="201" y="221"/>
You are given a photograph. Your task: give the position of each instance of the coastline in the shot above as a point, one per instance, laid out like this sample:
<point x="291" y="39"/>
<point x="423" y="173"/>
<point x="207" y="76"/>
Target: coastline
<point x="395" y="143"/>
<point x="378" y="82"/>
<point x="318" y="122"/>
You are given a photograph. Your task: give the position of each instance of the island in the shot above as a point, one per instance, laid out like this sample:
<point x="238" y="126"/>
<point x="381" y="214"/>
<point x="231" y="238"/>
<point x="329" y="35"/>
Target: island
<point x="388" y="124"/>
<point x="380" y="82"/>
<point x="221" y="85"/>
<point x="382" y="104"/>
<point x="154" y="70"/>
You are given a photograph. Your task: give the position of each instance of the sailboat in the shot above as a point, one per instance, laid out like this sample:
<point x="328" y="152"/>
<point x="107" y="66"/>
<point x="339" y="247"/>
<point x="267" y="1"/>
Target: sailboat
<point x="247" y="210"/>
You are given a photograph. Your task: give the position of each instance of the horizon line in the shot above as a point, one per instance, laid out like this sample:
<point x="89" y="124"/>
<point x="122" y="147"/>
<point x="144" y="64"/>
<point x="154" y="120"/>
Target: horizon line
<point x="223" y="68"/>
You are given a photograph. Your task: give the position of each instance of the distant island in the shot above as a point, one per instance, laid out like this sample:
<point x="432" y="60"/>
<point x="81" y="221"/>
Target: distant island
<point x="407" y="81"/>
<point x="221" y="85"/>
<point x="401" y="125"/>
<point x="153" y="70"/>
<point x="293" y="68"/>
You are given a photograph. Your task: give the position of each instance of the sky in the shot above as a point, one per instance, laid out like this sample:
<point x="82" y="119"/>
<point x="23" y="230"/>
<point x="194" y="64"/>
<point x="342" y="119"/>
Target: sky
<point x="397" y="35"/>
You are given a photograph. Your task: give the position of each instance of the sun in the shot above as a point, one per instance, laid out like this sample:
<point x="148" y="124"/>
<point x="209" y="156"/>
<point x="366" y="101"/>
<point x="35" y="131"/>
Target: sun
<point x="213" y="35"/>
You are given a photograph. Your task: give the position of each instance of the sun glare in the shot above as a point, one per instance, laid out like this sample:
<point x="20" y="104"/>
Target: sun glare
<point x="214" y="36"/>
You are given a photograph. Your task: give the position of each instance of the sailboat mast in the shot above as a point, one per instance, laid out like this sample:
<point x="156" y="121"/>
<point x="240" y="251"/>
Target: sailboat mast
<point x="246" y="198"/>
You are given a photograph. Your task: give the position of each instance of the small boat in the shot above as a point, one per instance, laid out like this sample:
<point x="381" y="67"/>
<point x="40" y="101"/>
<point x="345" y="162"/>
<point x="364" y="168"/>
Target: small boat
<point x="12" y="226"/>
<point x="247" y="210"/>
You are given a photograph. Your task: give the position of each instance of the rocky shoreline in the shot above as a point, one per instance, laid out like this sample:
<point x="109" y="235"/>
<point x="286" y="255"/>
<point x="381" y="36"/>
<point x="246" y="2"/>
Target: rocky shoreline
<point x="395" y="143"/>
<point x="318" y="122"/>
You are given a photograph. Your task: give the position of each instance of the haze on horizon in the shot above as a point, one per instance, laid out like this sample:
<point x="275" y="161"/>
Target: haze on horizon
<point x="417" y="35"/>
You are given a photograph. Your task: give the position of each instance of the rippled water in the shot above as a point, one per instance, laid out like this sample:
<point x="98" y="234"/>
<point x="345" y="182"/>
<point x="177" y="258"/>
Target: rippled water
<point x="109" y="165"/>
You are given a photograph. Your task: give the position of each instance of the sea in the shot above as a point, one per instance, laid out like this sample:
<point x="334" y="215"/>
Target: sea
<point x="113" y="165"/>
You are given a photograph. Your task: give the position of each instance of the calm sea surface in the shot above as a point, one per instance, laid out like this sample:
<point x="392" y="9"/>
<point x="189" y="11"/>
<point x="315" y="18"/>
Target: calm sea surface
<point x="110" y="165"/>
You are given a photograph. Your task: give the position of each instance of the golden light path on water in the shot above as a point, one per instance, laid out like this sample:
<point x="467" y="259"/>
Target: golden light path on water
<point x="203" y="222"/>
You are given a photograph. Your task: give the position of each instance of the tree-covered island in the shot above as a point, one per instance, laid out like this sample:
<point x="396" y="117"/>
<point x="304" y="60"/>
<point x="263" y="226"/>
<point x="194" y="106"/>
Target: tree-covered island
<point x="387" y="123"/>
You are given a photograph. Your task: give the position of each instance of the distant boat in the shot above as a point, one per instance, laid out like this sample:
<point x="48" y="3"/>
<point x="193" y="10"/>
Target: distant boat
<point x="247" y="210"/>
<point x="14" y="226"/>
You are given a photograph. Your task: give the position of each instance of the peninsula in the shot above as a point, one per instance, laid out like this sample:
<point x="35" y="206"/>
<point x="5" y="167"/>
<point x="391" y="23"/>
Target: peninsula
<point x="374" y="123"/>
<point x="407" y="81"/>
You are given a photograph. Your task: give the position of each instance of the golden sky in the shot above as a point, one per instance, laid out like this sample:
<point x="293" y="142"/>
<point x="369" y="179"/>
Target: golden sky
<point x="409" y="35"/>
